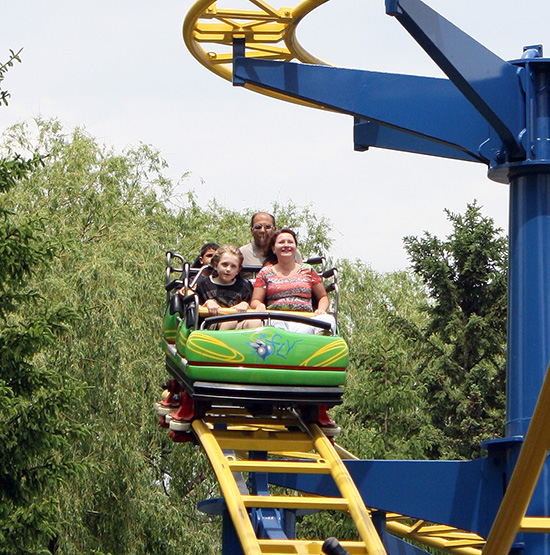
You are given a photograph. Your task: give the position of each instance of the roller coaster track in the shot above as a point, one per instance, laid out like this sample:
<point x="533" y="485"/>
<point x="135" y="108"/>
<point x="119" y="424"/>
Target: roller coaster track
<point x="237" y="443"/>
<point x="285" y="449"/>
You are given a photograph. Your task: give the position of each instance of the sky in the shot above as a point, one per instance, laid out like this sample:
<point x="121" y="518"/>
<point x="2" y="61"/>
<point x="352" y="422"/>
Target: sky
<point x="121" y="70"/>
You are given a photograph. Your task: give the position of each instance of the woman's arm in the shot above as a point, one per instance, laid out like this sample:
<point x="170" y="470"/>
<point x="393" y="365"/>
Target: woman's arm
<point x="322" y="298"/>
<point x="258" y="298"/>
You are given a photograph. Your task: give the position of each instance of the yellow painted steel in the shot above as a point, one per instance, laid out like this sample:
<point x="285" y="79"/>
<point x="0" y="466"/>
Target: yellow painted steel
<point x="304" y="451"/>
<point x="270" y="33"/>
<point x="524" y="479"/>
<point x="203" y="312"/>
<point x="320" y="467"/>
<point x="534" y="524"/>
<point x="348" y="489"/>
<point x="228" y="486"/>
<point x="306" y="547"/>
<point x="444" y="538"/>
<point x="297" y="502"/>
<point x="309" y="451"/>
<point x="262" y="440"/>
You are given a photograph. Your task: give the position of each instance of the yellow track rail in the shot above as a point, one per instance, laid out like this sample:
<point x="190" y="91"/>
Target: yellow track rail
<point x="445" y="538"/>
<point x="511" y="517"/>
<point x="288" y="452"/>
<point x="305" y="451"/>
<point x="270" y="33"/>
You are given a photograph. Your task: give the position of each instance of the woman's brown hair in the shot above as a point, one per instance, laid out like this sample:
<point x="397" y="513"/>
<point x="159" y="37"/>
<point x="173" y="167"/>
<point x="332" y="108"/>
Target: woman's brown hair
<point x="271" y="258"/>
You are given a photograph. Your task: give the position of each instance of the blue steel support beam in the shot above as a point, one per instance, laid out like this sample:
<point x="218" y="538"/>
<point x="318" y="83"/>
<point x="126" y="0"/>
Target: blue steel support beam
<point x="464" y="494"/>
<point x="268" y="523"/>
<point x="413" y="105"/>
<point x="368" y="133"/>
<point x="488" y="82"/>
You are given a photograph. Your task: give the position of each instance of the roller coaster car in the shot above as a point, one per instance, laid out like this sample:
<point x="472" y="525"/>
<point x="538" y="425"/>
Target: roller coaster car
<point x="253" y="368"/>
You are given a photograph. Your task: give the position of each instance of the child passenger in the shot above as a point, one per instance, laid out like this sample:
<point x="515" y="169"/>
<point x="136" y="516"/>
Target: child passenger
<point x="205" y="255"/>
<point x="225" y="287"/>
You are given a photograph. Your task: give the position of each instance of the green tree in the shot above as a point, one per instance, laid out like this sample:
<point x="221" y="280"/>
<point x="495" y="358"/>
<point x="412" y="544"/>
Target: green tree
<point x="117" y="214"/>
<point x="384" y="401"/>
<point x="463" y="342"/>
<point x="36" y="394"/>
<point x="214" y="222"/>
<point x="312" y="229"/>
<point x="383" y="410"/>
<point x="138" y="496"/>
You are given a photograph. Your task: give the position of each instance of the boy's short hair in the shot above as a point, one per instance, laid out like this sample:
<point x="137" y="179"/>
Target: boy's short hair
<point x="204" y="248"/>
<point x="227" y="249"/>
<point x="207" y="247"/>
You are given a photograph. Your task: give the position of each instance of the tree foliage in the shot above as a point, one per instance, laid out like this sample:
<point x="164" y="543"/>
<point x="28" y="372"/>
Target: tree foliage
<point x="464" y="340"/>
<point x="107" y="210"/>
<point x="37" y="395"/>
<point x="116" y="214"/>
<point x="384" y="401"/>
<point x="383" y="410"/>
<point x="4" y="67"/>
<point x="105" y="220"/>
<point x="427" y="348"/>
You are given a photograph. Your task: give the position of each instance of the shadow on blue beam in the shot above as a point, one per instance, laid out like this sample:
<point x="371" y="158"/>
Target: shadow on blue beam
<point x="369" y="133"/>
<point x="463" y="494"/>
<point x="395" y="546"/>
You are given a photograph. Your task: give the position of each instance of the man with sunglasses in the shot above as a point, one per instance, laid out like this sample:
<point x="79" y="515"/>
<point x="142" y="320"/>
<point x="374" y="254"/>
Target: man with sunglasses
<point x="262" y="227"/>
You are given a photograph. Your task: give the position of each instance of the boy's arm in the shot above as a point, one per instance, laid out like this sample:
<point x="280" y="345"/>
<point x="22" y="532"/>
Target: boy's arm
<point x="212" y="306"/>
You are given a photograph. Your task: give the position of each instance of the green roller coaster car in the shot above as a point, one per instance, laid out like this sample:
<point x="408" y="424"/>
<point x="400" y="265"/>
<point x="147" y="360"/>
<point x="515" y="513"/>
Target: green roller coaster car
<point x="266" y="365"/>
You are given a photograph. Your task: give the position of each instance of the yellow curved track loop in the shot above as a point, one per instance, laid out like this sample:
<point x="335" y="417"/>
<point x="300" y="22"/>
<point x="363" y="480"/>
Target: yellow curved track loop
<point x="445" y="538"/>
<point x="270" y="33"/>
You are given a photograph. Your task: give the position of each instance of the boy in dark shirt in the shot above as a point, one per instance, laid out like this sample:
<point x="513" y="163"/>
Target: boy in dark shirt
<point x="225" y="287"/>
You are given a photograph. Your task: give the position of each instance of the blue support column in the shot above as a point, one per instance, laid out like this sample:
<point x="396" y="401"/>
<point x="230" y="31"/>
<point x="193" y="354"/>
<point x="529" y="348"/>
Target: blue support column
<point x="529" y="286"/>
<point x="268" y="523"/>
<point x="529" y="295"/>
